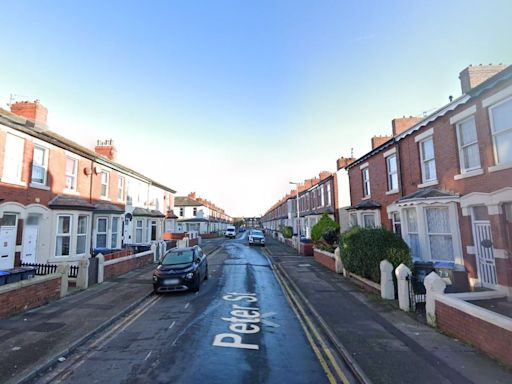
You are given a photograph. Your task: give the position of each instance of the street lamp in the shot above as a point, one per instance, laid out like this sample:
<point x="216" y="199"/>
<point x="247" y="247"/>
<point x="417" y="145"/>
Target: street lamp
<point x="298" y="217"/>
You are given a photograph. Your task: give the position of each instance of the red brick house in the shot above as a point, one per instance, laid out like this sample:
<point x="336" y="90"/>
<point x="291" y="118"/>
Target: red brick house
<point x="444" y="182"/>
<point x="59" y="200"/>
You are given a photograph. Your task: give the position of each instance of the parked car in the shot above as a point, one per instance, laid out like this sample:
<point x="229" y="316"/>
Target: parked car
<point x="256" y="237"/>
<point x="230" y="231"/>
<point x="181" y="269"/>
<point x="241" y="229"/>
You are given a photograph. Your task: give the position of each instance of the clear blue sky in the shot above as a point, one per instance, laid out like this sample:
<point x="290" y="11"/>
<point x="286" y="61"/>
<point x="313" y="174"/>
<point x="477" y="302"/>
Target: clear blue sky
<point x="233" y="99"/>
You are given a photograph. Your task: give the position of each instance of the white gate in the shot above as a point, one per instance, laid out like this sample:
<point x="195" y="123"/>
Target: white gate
<point x="484" y="255"/>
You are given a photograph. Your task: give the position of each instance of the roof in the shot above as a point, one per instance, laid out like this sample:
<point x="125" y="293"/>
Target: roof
<point x="185" y="201"/>
<point x="70" y="202"/>
<point x="28" y="127"/>
<point x="171" y="215"/>
<point x="107" y="208"/>
<point x="193" y="220"/>
<point x="461" y="100"/>
<point x="366" y="204"/>
<point x="147" y="212"/>
<point x="429" y="193"/>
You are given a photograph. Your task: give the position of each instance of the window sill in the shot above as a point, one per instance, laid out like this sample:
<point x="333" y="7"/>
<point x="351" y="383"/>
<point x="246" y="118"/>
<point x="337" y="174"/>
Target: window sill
<point x="71" y="192"/>
<point x="14" y="182"/>
<point x="105" y="198"/>
<point x="39" y="186"/>
<point x="394" y="191"/>
<point x="427" y="184"/>
<point x="475" y="172"/>
<point x="499" y="167"/>
<point x="366" y="197"/>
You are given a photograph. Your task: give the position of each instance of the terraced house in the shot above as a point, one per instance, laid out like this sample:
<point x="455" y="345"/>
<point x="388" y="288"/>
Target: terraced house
<point x="444" y="183"/>
<point x="59" y="201"/>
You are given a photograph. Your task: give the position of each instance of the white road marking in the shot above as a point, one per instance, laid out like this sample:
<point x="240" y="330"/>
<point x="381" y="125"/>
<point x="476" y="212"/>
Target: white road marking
<point x="147" y="356"/>
<point x="172" y="324"/>
<point x="186" y="305"/>
<point x="304" y="265"/>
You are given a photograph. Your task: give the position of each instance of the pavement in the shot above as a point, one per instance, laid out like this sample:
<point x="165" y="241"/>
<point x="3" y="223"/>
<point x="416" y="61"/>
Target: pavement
<point x="34" y="340"/>
<point x="388" y="345"/>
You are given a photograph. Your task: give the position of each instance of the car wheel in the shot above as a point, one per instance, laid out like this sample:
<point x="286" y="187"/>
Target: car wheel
<point x="155" y="291"/>
<point x="206" y="273"/>
<point x="197" y="284"/>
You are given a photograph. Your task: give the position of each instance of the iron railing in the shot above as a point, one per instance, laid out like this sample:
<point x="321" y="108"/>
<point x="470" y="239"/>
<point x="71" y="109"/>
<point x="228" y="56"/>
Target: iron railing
<point x="48" y="269"/>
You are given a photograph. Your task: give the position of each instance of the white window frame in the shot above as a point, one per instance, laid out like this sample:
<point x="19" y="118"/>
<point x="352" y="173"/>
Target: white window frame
<point x="106" y="233"/>
<point x="155" y="222"/>
<point x="323" y="190"/>
<point x="104" y="172"/>
<point x="115" y="230"/>
<point x="424" y="161"/>
<point x="369" y="214"/>
<point x="44" y="166"/>
<point x="365" y="175"/>
<point x="390" y="174"/>
<point x="429" y="234"/>
<point x="137" y="229"/>
<point x="63" y="235"/>
<point x="85" y="235"/>
<point x="74" y="175"/>
<point x="120" y="188"/>
<point x="461" y="147"/>
<point x="494" y="134"/>
<point x="13" y="162"/>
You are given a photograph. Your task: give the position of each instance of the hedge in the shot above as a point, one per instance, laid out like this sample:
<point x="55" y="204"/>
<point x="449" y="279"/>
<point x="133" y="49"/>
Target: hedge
<point x="362" y="250"/>
<point x="287" y="232"/>
<point x="325" y="233"/>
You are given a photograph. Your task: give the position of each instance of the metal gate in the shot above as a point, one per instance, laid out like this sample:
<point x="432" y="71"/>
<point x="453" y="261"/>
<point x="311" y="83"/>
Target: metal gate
<point x="93" y="271"/>
<point x="485" y="256"/>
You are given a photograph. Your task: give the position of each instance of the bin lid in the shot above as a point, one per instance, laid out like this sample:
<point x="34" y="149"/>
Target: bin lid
<point x="15" y="270"/>
<point x="444" y="264"/>
<point x="4" y="273"/>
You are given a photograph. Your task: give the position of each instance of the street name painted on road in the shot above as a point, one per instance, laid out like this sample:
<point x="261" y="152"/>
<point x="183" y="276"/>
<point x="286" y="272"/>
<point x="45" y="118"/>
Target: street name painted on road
<point x="244" y="320"/>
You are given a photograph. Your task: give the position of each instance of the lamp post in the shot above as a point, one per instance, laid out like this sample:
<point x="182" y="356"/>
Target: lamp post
<point x="298" y="216"/>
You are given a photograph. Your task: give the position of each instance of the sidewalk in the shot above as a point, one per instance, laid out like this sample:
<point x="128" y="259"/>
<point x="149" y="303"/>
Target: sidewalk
<point x="34" y="339"/>
<point x="388" y="344"/>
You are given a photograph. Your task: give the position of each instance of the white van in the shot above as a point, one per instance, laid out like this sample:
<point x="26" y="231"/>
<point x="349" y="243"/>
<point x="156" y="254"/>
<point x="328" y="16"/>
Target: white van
<point x="230" y="231"/>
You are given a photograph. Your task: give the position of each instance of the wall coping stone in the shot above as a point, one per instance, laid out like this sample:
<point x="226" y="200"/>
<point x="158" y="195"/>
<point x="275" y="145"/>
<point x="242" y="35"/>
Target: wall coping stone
<point x="363" y="280"/>
<point x="328" y="254"/>
<point x="129" y="257"/>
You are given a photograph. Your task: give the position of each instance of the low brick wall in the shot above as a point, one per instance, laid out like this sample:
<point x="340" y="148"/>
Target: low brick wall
<point x="289" y="242"/>
<point x="26" y="294"/>
<point x="131" y="262"/>
<point x="467" y="322"/>
<point x="192" y="242"/>
<point x="306" y="249"/>
<point x="325" y="258"/>
<point x="118" y="254"/>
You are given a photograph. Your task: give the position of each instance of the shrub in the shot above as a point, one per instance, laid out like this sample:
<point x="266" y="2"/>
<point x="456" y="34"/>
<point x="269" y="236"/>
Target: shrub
<point x="325" y="233"/>
<point x="362" y="250"/>
<point x="287" y="232"/>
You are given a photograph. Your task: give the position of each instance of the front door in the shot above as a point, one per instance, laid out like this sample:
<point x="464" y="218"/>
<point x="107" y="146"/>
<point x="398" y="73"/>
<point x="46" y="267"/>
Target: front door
<point x="484" y="254"/>
<point x="29" y="244"/>
<point x="7" y="245"/>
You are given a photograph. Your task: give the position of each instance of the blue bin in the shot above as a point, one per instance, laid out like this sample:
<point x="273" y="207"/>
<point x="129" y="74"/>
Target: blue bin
<point x="15" y="275"/>
<point x="3" y="277"/>
<point x="28" y="273"/>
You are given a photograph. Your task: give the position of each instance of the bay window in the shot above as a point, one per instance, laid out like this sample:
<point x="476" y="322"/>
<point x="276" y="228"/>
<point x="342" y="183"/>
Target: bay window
<point x="412" y="232"/>
<point x="368" y="220"/>
<point x="139" y="230"/>
<point x="63" y="235"/>
<point x="439" y="234"/>
<point x="101" y="232"/>
<point x="114" y="237"/>
<point x="81" y="235"/>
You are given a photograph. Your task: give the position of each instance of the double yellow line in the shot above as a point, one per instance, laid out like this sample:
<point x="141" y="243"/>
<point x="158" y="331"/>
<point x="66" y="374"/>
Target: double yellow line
<point x="320" y="348"/>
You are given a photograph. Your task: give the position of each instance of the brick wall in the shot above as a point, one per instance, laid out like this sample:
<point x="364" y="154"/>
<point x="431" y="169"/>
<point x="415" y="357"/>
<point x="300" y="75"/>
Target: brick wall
<point x="117" y="269"/>
<point x="324" y="259"/>
<point x="28" y="296"/>
<point x="119" y="254"/>
<point x="490" y="338"/>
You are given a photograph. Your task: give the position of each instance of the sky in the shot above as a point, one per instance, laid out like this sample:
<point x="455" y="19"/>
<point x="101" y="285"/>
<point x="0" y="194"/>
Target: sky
<point x="235" y="99"/>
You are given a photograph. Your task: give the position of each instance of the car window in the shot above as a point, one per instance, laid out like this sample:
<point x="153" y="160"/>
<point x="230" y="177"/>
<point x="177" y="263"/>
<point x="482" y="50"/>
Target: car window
<point x="257" y="233"/>
<point x="178" y="257"/>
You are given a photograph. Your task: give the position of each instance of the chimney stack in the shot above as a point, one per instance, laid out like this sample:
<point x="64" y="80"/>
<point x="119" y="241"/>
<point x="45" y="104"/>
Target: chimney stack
<point x="324" y="175"/>
<point x="402" y="124"/>
<point x="192" y="195"/>
<point x="379" y="140"/>
<point x="31" y="110"/>
<point x="472" y="76"/>
<point x="342" y="162"/>
<point x="106" y="149"/>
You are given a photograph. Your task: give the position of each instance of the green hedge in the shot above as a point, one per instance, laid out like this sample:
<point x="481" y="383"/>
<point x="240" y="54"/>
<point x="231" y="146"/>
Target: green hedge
<point x="325" y="233"/>
<point x="287" y="232"/>
<point x="362" y="250"/>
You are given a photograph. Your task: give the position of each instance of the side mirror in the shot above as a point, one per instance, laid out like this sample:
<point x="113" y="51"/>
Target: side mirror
<point x="198" y="260"/>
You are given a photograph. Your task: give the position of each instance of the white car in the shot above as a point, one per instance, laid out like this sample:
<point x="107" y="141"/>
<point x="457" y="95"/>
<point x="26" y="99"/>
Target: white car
<point x="230" y="232"/>
<point x="256" y="237"/>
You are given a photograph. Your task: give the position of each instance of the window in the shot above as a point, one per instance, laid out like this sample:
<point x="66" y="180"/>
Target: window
<point x="501" y="126"/>
<point x="138" y="231"/>
<point x="368" y="220"/>
<point x="182" y="211"/>
<point x="469" y="155"/>
<point x="392" y="173"/>
<point x="13" y="160"/>
<point x="81" y="235"/>
<point x="397" y="224"/>
<point x="428" y="161"/>
<point x="8" y="220"/>
<point x="120" y="188"/>
<point x="353" y="219"/>
<point x="114" y="232"/>
<point x="101" y="232"/>
<point x="39" y="165"/>
<point x="329" y="195"/>
<point x="322" y="195"/>
<point x="439" y="234"/>
<point x="71" y="170"/>
<point x="153" y="230"/>
<point x="104" y="183"/>
<point x="412" y="232"/>
<point x="194" y="211"/>
<point x="366" y="182"/>
<point x="63" y="235"/>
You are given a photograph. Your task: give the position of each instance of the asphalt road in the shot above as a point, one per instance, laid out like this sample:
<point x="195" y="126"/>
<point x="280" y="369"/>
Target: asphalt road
<point x="240" y="328"/>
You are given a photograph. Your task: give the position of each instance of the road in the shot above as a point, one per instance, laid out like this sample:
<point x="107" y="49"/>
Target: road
<point x="240" y="328"/>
